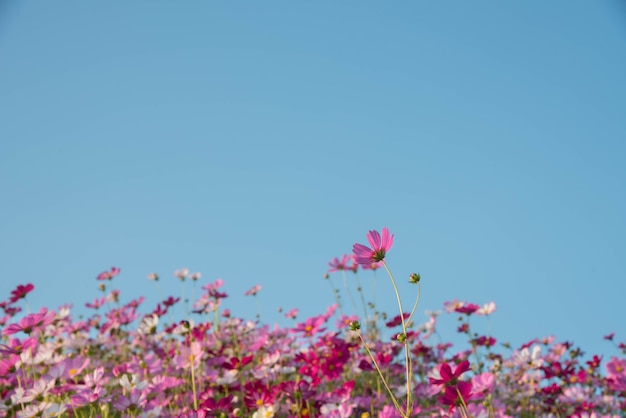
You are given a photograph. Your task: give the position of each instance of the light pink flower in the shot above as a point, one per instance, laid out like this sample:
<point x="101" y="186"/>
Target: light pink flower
<point x="483" y="382"/>
<point x="366" y="256"/>
<point x="337" y="264"/>
<point x="108" y="275"/>
<point x="181" y="274"/>
<point x="253" y="290"/>
<point x="292" y="314"/>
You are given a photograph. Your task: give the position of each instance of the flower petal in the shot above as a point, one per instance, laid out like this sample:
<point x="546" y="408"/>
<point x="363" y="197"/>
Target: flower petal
<point x="374" y="239"/>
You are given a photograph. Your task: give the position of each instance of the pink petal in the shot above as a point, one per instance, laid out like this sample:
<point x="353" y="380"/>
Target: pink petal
<point x="374" y="239"/>
<point x="387" y="241"/>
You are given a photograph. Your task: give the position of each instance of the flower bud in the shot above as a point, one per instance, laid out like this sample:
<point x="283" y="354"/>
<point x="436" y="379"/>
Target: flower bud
<point x="355" y="326"/>
<point x="414" y="278"/>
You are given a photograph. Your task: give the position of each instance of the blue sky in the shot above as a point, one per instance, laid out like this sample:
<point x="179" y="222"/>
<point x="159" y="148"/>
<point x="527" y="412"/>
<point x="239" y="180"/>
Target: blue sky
<point x="255" y="141"/>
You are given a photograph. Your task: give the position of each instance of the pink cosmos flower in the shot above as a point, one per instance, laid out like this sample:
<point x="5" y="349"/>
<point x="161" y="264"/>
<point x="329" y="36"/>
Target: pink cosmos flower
<point x="30" y="322"/>
<point x="108" y="275"/>
<point x="292" y="314"/>
<point x="616" y="367"/>
<point x="253" y="290"/>
<point x="96" y="304"/>
<point x="311" y="326"/>
<point x="366" y="256"/>
<point x="483" y="382"/>
<point x="16" y="346"/>
<point x="337" y="264"/>
<point x="388" y="412"/>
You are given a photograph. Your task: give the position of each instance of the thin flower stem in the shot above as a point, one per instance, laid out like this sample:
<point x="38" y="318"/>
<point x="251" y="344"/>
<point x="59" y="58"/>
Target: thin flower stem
<point x="406" y="343"/>
<point x="380" y="373"/>
<point x="193" y="382"/>
<point x="465" y="410"/>
<point x="416" y="302"/>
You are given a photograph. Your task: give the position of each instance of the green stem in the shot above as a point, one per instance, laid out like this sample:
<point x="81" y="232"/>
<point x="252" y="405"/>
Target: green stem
<point x="380" y="373"/>
<point x="406" y="343"/>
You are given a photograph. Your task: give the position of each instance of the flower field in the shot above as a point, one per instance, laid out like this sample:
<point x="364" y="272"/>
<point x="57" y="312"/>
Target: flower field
<point x="117" y="362"/>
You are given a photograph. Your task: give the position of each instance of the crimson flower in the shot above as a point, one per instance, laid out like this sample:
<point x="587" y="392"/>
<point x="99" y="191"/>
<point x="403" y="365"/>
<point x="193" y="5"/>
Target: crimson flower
<point x="468" y="309"/>
<point x="485" y="341"/>
<point x="21" y="292"/>
<point x="366" y="256"/>
<point x="451" y="396"/>
<point x="448" y="377"/>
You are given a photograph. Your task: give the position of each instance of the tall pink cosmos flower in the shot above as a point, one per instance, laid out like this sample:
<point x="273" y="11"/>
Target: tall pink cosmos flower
<point x="366" y="256"/>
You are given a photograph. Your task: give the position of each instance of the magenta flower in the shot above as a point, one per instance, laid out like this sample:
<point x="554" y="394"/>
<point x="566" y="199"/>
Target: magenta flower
<point x="21" y="292"/>
<point x="453" y="394"/>
<point x="366" y="256"/>
<point x="448" y="377"/>
<point x="468" y="309"/>
<point x="16" y="346"/>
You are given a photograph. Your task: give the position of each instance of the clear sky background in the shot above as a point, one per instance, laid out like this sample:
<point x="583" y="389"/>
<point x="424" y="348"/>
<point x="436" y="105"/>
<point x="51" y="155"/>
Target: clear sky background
<point x="255" y="141"/>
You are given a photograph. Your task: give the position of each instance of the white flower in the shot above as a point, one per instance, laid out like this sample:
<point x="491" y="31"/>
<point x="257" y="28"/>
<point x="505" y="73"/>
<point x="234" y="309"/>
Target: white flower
<point x="264" y="412"/>
<point x="487" y="309"/>
<point x="182" y="273"/>
<point x="525" y="357"/>
<point x="148" y="324"/>
<point x="134" y="383"/>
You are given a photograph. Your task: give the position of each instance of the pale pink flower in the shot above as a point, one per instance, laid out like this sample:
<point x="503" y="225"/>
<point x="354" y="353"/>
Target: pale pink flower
<point x="483" y="382"/>
<point x="181" y="274"/>
<point x="487" y="309"/>
<point x="388" y="412"/>
<point x="453" y="305"/>
<point x="108" y="275"/>
<point x="253" y="290"/>
<point x="367" y="256"/>
<point x="135" y="398"/>
<point x="292" y="314"/>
